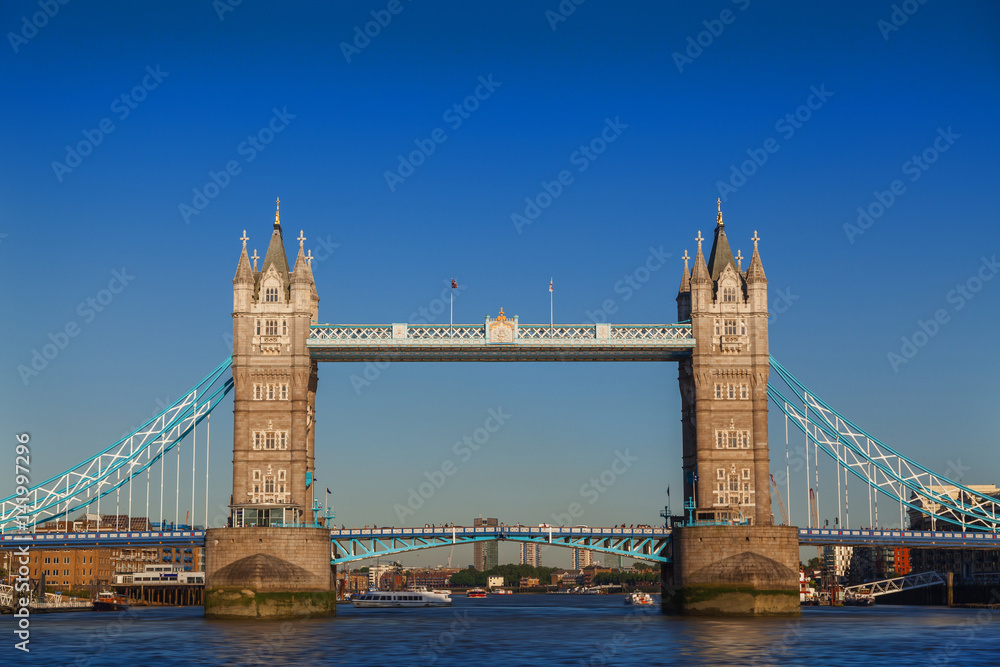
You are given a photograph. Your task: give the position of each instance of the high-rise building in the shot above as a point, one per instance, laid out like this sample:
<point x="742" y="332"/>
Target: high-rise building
<point x="531" y="554"/>
<point x="582" y="558"/>
<point x="485" y="554"/>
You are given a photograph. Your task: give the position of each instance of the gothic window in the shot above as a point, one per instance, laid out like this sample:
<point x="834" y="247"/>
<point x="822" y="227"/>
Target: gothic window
<point x="729" y="294"/>
<point x="732" y="440"/>
<point x="284" y="391"/>
<point x="270" y="392"/>
<point x="730" y="328"/>
<point x="284" y="327"/>
<point x="720" y="439"/>
<point x="717" y="332"/>
<point x="271" y="327"/>
<point x="258" y="327"/>
<point x="743" y="328"/>
<point x="745" y="444"/>
<point x="257" y="439"/>
<point x="720" y="473"/>
<point x="281" y="475"/>
<point x="256" y="475"/>
<point x="732" y="391"/>
<point x="282" y="439"/>
<point x="744" y="392"/>
<point x="258" y="392"/>
<point x="269" y="440"/>
<point x="718" y="390"/>
<point x="746" y="473"/>
<point x="271" y="294"/>
<point x="269" y="485"/>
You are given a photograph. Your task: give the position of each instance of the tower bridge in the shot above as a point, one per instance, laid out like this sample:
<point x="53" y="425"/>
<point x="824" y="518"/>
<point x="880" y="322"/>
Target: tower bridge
<point x="719" y="341"/>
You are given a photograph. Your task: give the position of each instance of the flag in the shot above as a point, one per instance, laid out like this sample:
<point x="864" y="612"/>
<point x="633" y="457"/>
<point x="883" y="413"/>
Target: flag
<point x="328" y="490"/>
<point x="668" y="490"/>
<point x="550" y="284"/>
<point x="454" y="285"/>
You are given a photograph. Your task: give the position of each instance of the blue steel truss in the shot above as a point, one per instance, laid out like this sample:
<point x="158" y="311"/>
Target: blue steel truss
<point x="108" y="470"/>
<point x="881" y="467"/>
<point x="351" y="545"/>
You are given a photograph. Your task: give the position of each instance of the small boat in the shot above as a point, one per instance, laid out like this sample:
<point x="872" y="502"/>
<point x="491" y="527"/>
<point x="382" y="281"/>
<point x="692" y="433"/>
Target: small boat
<point x="476" y="593"/>
<point x="108" y="601"/>
<point x="639" y="598"/>
<point x="502" y="591"/>
<point x="399" y="599"/>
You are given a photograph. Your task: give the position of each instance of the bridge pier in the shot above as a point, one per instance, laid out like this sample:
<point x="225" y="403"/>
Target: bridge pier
<point x="732" y="571"/>
<point x="269" y="573"/>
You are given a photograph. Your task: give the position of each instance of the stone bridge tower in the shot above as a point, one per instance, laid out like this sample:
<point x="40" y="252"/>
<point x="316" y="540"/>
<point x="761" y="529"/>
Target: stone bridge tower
<point x="275" y="387"/>
<point x="724" y="384"/>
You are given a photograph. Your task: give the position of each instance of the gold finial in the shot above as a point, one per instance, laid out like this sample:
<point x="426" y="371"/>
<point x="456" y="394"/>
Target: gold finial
<point x="277" y="207"/>
<point x="502" y="317"/>
<point x="254" y="258"/>
<point x="718" y="218"/>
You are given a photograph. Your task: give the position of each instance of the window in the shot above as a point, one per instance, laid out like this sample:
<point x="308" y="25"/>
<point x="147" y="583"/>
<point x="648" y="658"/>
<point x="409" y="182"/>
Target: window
<point x="271" y="327"/>
<point x="258" y="392"/>
<point x="729" y="294"/>
<point x="717" y="331"/>
<point x="732" y="439"/>
<point x="256" y="475"/>
<point x="732" y="391"/>
<point x="66" y="559"/>
<point x="269" y="440"/>
<point x="284" y="391"/>
<point x="720" y="440"/>
<point x="743" y="328"/>
<point x="718" y="390"/>
<point x="269" y="485"/>
<point x="257" y="439"/>
<point x="720" y="473"/>
<point x="284" y="327"/>
<point x="282" y="439"/>
<point x="271" y="294"/>
<point x="746" y="473"/>
<point x="730" y="328"/>
<point x="270" y="392"/>
<point x="744" y="392"/>
<point x="281" y="475"/>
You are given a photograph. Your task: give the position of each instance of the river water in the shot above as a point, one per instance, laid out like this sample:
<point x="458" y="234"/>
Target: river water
<point x="514" y="630"/>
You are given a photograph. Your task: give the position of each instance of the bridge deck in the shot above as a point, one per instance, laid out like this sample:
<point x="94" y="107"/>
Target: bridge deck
<point x="909" y="538"/>
<point x="573" y="342"/>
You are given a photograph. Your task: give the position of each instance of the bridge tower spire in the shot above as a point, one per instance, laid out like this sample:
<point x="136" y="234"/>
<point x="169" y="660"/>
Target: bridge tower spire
<point x="275" y="387"/>
<point x="724" y="385"/>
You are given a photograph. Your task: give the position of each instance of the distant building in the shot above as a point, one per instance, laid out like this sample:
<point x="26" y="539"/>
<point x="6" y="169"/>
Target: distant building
<point x="568" y="578"/>
<point x="836" y="560"/>
<point x="494" y="582"/>
<point x="531" y="554"/>
<point x="582" y="558"/>
<point x="375" y="573"/>
<point x="431" y="578"/>
<point x="529" y="582"/>
<point x="486" y="555"/>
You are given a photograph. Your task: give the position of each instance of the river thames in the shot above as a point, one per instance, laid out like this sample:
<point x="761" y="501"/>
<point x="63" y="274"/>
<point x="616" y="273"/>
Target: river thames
<point x="517" y="630"/>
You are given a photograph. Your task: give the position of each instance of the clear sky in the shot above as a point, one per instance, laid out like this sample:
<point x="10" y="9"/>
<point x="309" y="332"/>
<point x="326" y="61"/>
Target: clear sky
<point x="115" y="114"/>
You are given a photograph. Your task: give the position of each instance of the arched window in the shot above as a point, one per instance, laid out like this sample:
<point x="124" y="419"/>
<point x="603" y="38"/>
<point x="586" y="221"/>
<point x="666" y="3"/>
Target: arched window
<point x="729" y="294"/>
<point x="271" y="294"/>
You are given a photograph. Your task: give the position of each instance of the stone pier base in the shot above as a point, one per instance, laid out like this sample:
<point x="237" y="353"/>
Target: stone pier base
<point x="732" y="571"/>
<point x="269" y="573"/>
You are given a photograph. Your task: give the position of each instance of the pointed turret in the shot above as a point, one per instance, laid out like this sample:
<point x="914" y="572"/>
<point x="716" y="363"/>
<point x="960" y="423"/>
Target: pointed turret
<point x="721" y="255"/>
<point x="684" y="293"/>
<point x="686" y="276"/>
<point x="275" y="255"/>
<point x="302" y="273"/>
<point x="243" y="282"/>
<point x="699" y="274"/>
<point x="755" y="272"/>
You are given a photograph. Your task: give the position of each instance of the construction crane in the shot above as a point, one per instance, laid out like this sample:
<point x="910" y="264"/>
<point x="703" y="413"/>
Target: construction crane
<point x="781" y="503"/>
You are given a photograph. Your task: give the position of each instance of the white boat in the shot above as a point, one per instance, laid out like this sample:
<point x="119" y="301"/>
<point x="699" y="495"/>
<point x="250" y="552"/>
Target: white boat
<point x="639" y="598"/>
<point x="394" y="599"/>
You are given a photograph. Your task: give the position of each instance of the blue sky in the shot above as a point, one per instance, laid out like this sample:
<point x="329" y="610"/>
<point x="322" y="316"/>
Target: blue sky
<point x="683" y="124"/>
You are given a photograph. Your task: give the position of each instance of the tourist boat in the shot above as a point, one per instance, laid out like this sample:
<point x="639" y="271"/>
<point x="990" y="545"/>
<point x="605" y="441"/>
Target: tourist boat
<point x="476" y="593"/>
<point x="639" y="598"/>
<point x="397" y="599"/>
<point x="860" y="598"/>
<point x="108" y="601"/>
<point x="502" y="591"/>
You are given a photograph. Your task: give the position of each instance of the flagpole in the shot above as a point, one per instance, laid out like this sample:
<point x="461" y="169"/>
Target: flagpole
<point x="550" y="304"/>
